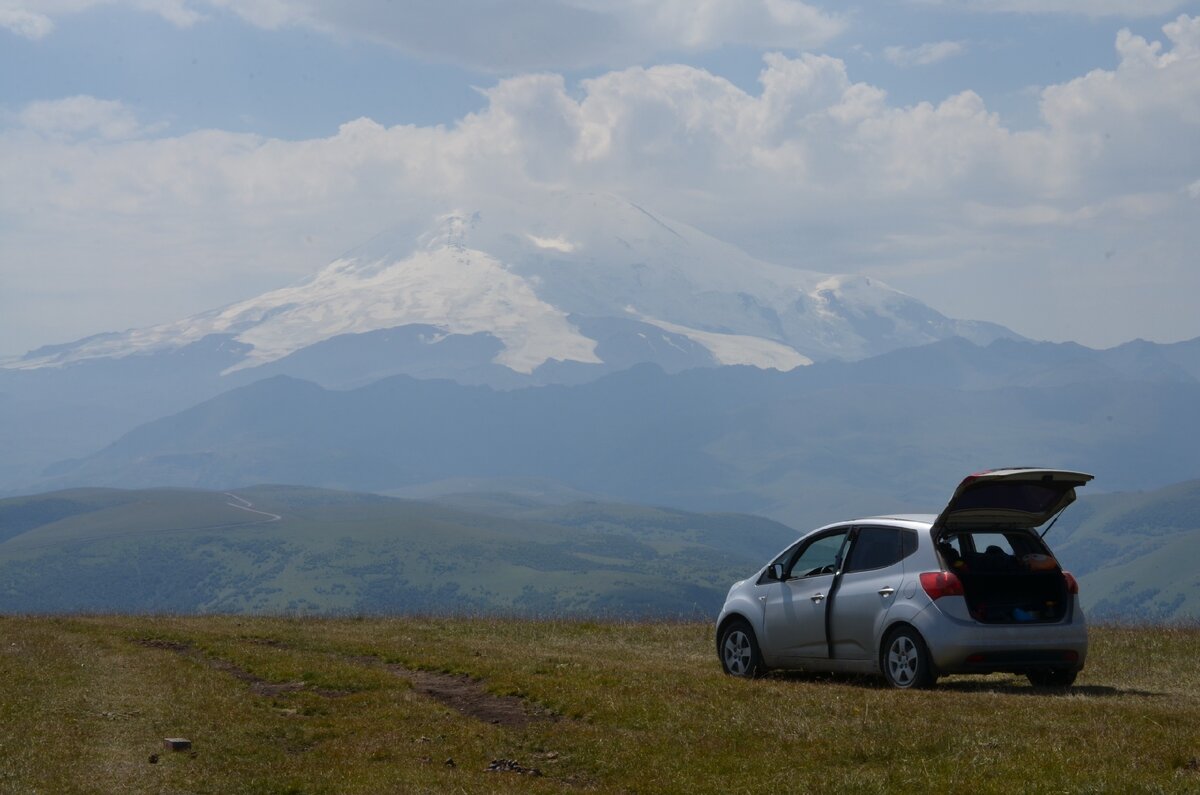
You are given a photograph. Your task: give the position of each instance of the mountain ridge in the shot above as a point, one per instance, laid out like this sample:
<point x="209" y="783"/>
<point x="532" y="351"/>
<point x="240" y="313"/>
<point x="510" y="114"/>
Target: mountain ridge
<point x="798" y="446"/>
<point x="530" y="276"/>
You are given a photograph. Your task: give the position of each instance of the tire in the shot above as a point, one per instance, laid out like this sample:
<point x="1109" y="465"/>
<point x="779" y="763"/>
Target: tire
<point x="739" y="651"/>
<point x="1052" y="677"/>
<point x="905" y="660"/>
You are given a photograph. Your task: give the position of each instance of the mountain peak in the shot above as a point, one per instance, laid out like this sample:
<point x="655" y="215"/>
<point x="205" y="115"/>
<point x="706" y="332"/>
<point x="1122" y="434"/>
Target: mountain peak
<point x="571" y="279"/>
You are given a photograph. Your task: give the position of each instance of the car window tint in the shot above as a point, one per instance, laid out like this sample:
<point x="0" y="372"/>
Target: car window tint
<point x="820" y="556"/>
<point x="875" y="548"/>
<point x="1036" y="497"/>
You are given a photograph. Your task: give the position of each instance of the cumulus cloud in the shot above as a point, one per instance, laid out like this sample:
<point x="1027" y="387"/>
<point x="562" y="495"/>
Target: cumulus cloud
<point x="1088" y="8"/>
<point x="80" y="116"/>
<point x="924" y="54"/>
<point x="34" y="19"/>
<point x="812" y="169"/>
<point x="25" y="23"/>
<point x="512" y="36"/>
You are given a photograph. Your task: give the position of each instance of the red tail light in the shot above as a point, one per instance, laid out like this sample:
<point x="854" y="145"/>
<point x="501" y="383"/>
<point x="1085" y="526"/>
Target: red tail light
<point x="1072" y="583"/>
<point x="941" y="583"/>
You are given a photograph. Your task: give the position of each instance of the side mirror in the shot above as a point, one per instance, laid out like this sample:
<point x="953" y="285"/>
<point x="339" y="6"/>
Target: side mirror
<point x="776" y="571"/>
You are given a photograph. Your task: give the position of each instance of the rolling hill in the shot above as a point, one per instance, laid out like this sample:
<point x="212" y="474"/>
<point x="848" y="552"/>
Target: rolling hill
<point x="304" y="550"/>
<point x="290" y="549"/>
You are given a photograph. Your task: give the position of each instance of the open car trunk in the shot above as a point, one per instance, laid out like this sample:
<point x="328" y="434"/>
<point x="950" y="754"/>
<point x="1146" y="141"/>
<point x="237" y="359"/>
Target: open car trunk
<point x="986" y="535"/>
<point x="1008" y="577"/>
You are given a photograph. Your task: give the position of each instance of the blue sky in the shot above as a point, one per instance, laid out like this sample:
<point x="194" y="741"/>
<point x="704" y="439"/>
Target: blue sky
<point x="1030" y="163"/>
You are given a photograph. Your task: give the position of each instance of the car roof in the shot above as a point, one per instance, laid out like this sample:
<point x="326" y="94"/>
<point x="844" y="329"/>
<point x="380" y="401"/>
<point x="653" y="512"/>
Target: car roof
<point x="915" y="518"/>
<point x="902" y="519"/>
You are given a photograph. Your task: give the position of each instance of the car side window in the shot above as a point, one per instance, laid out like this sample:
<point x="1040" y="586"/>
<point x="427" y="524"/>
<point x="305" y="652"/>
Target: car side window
<point x="879" y="547"/>
<point x="820" y="556"/>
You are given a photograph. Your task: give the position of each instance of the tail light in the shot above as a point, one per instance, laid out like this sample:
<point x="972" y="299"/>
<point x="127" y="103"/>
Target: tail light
<point x="941" y="583"/>
<point x="1072" y="583"/>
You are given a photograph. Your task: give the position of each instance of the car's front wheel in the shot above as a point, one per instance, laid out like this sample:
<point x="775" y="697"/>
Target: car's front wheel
<point x="905" y="660"/>
<point x="740" y="655"/>
<point x="1052" y="677"/>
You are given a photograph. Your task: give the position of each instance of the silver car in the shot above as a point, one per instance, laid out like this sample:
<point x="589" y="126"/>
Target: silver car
<point x="973" y="589"/>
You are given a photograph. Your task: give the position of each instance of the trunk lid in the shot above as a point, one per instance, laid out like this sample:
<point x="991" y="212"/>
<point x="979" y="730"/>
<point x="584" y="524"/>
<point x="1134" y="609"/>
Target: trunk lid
<point x="1010" y="498"/>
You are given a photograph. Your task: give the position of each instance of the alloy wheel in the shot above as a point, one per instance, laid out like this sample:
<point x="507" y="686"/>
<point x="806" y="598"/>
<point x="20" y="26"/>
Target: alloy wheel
<point x="738" y="653"/>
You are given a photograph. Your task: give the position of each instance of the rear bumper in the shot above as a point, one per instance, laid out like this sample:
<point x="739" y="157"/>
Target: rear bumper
<point x="966" y="646"/>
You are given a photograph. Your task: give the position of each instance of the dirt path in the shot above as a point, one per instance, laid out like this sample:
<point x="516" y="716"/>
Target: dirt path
<point x="244" y="504"/>
<point x="459" y="692"/>
<point x="469" y="697"/>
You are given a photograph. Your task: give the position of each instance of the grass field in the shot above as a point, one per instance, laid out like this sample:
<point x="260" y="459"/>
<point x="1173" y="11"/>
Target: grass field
<point x="279" y="705"/>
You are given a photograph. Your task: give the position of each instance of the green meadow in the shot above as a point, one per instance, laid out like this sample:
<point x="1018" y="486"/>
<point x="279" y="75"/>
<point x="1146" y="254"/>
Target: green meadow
<point x="418" y="704"/>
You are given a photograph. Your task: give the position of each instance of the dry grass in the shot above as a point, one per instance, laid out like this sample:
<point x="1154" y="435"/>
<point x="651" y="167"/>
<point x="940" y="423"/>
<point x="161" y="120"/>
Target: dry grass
<point x="277" y="705"/>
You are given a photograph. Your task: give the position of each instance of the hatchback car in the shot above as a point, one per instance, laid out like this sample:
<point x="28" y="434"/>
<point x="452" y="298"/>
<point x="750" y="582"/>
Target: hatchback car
<point x="973" y="589"/>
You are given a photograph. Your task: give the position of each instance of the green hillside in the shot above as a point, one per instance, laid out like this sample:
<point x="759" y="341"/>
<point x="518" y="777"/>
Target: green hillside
<point x="422" y="705"/>
<point x="290" y="549"/>
<point x="1135" y="553"/>
<point x="305" y="550"/>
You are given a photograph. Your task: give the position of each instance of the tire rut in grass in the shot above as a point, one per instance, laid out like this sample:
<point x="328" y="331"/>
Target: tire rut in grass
<point x="468" y="696"/>
<point x="460" y="692"/>
<point x="465" y="695"/>
<point x="258" y="685"/>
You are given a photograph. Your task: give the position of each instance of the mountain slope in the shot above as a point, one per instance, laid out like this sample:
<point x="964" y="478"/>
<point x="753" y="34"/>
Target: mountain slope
<point x="277" y="548"/>
<point x="560" y="289"/>
<point x="813" y="445"/>
<point x="1135" y="552"/>
<point x="274" y="548"/>
<point x="534" y="276"/>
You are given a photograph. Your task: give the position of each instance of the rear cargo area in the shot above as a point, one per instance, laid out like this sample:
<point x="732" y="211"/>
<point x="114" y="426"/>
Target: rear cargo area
<point x="1008" y="581"/>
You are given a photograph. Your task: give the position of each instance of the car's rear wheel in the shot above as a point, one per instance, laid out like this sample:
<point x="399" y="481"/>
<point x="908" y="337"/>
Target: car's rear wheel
<point x="1052" y="677"/>
<point x="740" y="655"/>
<point x="905" y="660"/>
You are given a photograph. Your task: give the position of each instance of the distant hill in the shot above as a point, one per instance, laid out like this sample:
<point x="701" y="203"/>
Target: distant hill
<point x="1136" y="553"/>
<point x="804" y="447"/>
<point x="288" y="549"/>
<point x="292" y="549"/>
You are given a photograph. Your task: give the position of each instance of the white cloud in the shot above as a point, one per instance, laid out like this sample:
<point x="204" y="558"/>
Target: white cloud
<point x="551" y="243"/>
<point x="1088" y="8"/>
<point x="1137" y="124"/>
<point x="924" y="54"/>
<point x="511" y="36"/>
<point x="79" y="116"/>
<point x="25" y="23"/>
<point x="34" y="19"/>
<point x="813" y="169"/>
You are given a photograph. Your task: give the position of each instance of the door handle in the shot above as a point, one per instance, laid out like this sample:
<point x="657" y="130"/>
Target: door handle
<point x="887" y="590"/>
<point x="818" y="597"/>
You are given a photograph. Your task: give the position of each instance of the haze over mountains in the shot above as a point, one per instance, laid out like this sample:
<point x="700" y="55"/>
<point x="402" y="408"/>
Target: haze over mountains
<point x="560" y="291"/>
<point x="813" y="445"/>
<point x="588" y="347"/>
<point x="577" y="280"/>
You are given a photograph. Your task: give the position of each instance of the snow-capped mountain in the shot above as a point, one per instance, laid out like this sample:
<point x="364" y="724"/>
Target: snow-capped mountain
<point x="575" y="280"/>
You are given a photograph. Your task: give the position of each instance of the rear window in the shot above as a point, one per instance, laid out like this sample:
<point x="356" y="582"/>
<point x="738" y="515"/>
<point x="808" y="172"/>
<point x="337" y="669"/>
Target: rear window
<point x="1024" y="496"/>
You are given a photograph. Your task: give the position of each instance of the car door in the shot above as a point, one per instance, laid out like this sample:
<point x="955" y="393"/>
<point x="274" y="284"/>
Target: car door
<point x="868" y="586"/>
<point x="794" y="607"/>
